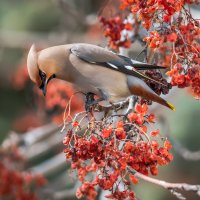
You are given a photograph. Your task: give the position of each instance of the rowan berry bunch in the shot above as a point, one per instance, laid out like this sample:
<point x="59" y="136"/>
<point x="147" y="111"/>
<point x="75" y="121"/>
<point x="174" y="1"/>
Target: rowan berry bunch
<point x="15" y="183"/>
<point x="172" y="34"/>
<point x="186" y="77"/>
<point x="106" y="151"/>
<point x="113" y="28"/>
<point x="158" y="88"/>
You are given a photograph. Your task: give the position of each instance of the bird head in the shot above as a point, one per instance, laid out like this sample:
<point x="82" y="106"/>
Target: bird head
<point x="39" y="70"/>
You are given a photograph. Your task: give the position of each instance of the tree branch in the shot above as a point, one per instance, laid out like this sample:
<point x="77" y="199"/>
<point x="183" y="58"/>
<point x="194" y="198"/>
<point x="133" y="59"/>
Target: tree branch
<point x="186" y="153"/>
<point x="172" y="187"/>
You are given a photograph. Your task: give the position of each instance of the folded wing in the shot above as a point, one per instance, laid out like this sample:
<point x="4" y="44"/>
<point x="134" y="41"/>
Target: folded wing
<point x="100" y="56"/>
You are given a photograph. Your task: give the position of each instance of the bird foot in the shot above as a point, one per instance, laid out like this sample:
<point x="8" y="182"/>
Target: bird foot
<point x="131" y="105"/>
<point x="90" y="101"/>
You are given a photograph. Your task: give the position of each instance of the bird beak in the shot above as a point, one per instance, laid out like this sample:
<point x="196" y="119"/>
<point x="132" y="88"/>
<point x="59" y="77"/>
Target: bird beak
<point x="43" y="87"/>
<point x="45" y="81"/>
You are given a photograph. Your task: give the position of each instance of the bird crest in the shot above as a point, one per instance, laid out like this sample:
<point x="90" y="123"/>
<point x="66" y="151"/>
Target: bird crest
<point x="32" y="65"/>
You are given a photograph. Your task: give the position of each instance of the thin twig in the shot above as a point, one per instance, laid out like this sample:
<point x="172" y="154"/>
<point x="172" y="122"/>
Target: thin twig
<point x="113" y="106"/>
<point x="68" y="107"/>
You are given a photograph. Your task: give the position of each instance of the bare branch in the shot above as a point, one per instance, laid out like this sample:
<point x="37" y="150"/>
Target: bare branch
<point x="40" y="133"/>
<point x="54" y="141"/>
<point x="172" y="187"/>
<point x="185" y="153"/>
<point x="113" y="106"/>
<point x="50" y="166"/>
<point x="65" y="195"/>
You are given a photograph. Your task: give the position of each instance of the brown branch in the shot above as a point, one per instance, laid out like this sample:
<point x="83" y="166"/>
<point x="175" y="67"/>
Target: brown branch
<point x="98" y="109"/>
<point x="40" y="133"/>
<point x="114" y="106"/>
<point x="172" y="187"/>
<point x="39" y="149"/>
<point x="51" y="166"/>
<point x="65" y="194"/>
<point x="186" y="153"/>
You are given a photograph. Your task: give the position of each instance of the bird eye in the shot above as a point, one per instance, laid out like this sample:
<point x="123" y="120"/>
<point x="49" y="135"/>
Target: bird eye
<point x="42" y="75"/>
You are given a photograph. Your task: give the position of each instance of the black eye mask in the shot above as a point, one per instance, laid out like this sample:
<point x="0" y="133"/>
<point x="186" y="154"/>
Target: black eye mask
<point x="43" y="79"/>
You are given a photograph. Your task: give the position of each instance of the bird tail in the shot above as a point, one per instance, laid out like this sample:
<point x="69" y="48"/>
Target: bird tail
<point x="139" y="88"/>
<point x="169" y="105"/>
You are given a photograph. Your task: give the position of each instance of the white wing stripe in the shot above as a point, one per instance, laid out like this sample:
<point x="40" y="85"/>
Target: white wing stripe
<point x="128" y="67"/>
<point x="113" y="66"/>
<point x="135" y="61"/>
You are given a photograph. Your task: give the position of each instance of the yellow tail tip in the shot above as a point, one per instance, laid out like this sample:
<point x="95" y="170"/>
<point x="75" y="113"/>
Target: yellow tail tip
<point x="171" y="106"/>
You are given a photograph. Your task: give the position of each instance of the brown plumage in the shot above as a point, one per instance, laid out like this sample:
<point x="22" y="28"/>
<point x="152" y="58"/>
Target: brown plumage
<point x="93" y="70"/>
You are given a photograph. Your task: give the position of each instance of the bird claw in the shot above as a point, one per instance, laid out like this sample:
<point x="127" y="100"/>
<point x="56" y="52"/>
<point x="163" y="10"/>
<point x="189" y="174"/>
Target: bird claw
<point x="132" y="102"/>
<point x="90" y="101"/>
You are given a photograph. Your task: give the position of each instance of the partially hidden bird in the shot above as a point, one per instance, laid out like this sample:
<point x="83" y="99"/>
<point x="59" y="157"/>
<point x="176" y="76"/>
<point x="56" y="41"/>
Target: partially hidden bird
<point x="93" y="70"/>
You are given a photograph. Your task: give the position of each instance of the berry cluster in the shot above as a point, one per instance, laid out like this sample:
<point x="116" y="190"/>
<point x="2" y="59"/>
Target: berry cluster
<point x="105" y="150"/>
<point x="184" y="78"/>
<point x="158" y="88"/>
<point x="16" y="184"/>
<point x="113" y="30"/>
<point x="149" y="11"/>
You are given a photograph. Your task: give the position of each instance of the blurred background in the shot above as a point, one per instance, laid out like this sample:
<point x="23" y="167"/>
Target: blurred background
<point x="53" y="22"/>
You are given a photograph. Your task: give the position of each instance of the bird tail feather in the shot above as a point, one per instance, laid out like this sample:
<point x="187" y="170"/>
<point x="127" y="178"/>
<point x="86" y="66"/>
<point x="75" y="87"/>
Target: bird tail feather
<point x="139" y="88"/>
<point x="169" y="105"/>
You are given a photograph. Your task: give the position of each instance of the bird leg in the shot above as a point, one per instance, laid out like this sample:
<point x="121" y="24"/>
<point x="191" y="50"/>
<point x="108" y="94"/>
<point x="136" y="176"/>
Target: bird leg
<point x="90" y="101"/>
<point x="132" y="102"/>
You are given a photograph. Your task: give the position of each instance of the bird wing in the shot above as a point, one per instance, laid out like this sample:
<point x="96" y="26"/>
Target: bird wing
<point x="100" y="56"/>
<point x="140" y="65"/>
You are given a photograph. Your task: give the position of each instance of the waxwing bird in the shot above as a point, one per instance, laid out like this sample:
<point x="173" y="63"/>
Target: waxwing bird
<point x="94" y="70"/>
